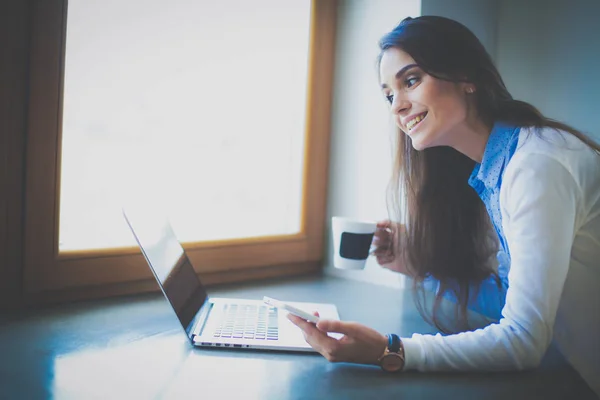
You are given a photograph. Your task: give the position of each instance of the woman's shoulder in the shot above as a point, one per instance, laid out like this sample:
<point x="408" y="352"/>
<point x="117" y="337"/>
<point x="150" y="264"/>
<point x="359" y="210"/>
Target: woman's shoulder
<point x="556" y="146"/>
<point x="550" y="141"/>
<point x="550" y="158"/>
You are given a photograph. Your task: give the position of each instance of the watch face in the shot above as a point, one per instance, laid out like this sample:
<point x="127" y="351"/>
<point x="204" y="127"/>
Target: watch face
<point x="392" y="362"/>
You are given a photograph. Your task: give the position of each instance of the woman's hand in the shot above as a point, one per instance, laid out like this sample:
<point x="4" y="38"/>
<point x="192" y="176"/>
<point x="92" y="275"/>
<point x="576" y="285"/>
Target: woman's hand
<point x="359" y="344"/>
<point x="389" y="245"/>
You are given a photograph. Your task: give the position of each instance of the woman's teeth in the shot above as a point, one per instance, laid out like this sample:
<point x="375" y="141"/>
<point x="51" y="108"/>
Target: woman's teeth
<point x="415" y="121"/>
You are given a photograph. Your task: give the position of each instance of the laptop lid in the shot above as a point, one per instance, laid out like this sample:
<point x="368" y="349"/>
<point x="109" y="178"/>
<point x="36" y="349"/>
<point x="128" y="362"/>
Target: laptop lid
<point x="171" y="267"/>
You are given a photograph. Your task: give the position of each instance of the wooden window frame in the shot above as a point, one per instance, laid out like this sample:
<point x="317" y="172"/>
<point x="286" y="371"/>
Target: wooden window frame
<point x="14" y="62"/>
<point x="49" y="275"/>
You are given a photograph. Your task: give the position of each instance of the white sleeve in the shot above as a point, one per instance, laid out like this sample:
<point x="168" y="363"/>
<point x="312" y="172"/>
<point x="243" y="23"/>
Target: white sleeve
<point x="539" y="199"/>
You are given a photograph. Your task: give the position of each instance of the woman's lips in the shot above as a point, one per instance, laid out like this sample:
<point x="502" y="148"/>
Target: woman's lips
<point x="415" y="123"/>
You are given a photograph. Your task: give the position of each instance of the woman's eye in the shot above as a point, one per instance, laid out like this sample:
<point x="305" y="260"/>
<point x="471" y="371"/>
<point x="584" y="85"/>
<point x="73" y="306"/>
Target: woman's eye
<point x="411" y="81"/>
<point x="390" y="98"/>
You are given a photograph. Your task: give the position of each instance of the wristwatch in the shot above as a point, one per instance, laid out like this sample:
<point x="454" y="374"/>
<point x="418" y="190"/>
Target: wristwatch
<point x="392" y="359"/>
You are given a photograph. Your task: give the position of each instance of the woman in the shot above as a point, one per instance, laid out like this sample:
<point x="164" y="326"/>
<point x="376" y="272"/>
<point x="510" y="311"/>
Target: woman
<point x="472" y="161"/>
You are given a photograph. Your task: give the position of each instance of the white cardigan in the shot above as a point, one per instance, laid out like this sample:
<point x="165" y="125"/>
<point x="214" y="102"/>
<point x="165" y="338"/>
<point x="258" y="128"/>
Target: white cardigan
<point x="550" y="205"/>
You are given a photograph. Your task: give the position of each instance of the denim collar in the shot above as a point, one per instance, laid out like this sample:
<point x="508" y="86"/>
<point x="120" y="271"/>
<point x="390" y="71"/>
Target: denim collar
<point x="500" y="147"/>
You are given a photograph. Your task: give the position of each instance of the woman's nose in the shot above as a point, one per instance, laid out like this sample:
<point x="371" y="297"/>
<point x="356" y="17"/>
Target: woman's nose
<point x="400" y="105"/>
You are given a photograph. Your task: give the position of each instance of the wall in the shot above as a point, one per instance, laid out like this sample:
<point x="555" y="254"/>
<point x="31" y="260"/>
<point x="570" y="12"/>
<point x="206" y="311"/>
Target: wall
<point x="549" y="54"/>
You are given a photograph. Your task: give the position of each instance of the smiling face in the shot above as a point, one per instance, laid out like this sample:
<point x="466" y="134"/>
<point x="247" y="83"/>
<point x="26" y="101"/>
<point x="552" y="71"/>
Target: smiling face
<point x="430" y="111"/>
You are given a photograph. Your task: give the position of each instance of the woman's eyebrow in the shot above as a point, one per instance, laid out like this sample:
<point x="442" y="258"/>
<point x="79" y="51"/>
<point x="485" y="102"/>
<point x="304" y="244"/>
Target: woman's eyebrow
<point x="400" y="73"/>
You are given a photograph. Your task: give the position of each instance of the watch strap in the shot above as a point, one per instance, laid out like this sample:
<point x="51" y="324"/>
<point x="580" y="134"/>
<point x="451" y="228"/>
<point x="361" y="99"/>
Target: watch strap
<point x="393" y="343"/>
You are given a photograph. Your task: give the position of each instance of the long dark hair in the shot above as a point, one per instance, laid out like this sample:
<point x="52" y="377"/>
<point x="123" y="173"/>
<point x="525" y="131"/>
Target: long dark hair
<point x="449" y="235"/>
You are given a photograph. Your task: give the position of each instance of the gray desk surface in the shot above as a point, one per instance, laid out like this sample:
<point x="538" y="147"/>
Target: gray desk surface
<point x="133" y="348"/>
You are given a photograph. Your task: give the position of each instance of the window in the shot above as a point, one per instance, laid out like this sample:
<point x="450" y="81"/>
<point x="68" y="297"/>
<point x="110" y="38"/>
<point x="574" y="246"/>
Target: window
<point x="137" y="100"/>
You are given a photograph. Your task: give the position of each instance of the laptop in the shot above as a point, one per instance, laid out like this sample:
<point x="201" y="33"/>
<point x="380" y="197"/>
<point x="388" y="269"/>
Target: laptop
<point x="214" y="322"/>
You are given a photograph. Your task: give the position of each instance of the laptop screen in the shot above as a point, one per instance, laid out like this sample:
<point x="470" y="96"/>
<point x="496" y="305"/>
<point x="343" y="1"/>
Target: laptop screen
<point x="170" y="265"/>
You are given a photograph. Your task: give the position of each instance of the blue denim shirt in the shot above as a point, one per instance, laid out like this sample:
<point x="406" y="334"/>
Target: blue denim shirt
<point x="486" y="179"/>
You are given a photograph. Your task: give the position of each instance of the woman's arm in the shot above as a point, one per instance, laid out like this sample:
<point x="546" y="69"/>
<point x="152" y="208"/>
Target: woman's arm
<point x="539" y="200"/>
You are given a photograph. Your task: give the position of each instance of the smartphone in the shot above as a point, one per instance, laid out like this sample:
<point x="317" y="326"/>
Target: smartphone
<point x="291" y="309"/>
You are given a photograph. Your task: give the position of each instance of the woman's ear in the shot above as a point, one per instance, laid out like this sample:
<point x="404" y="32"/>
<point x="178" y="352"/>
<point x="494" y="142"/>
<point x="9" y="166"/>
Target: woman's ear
<point x="466" y="86"/>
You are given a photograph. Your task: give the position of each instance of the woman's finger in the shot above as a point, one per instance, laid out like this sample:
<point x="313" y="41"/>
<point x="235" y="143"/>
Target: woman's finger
<point x="383" y="231"/>
<point x="385" y="261"/>
<point x="317" y="339"/>
<point x="301" y="323"/>
<point x="382" y="240"/>
<point x="384" y="224"/>
<point x="347" y="328"/>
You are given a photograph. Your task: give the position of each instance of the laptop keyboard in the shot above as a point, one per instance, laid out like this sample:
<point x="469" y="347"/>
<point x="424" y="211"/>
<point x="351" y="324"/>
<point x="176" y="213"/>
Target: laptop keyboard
<point x="247" y="322"/>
